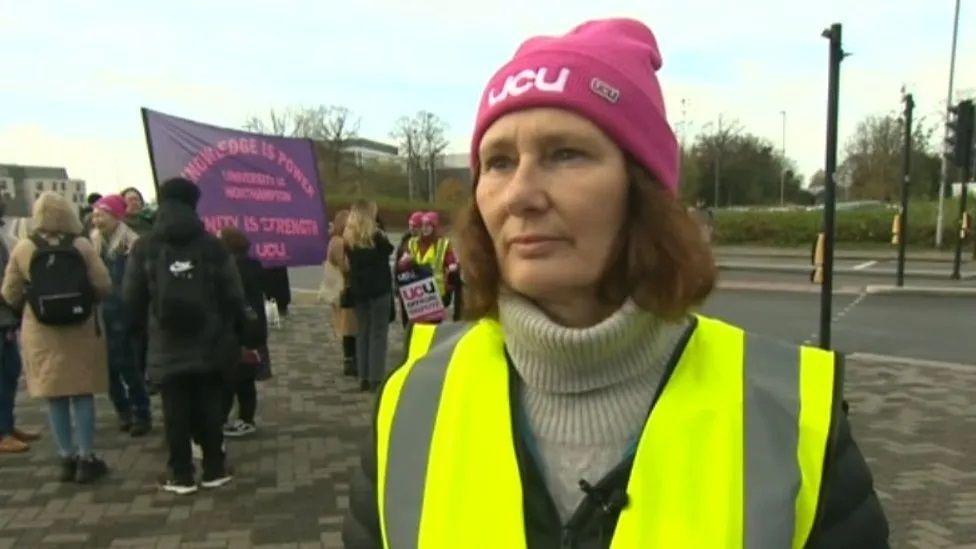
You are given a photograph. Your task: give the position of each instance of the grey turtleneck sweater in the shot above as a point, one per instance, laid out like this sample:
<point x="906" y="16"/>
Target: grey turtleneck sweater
<point x="585" y="392"/>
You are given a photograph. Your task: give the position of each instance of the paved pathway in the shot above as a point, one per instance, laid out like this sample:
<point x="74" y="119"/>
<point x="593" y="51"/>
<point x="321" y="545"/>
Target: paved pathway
<point x="916" y="425"/>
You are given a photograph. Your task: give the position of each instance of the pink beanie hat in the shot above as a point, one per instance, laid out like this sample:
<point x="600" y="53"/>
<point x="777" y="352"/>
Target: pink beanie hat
<point x="112" y="204"/>
<point x="602" y="70"/>
<point x="416" y="218"/>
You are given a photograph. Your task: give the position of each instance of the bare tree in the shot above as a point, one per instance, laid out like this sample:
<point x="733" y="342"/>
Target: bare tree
<point x="285" y="123"/>
<point x="433" y="143"/>
<point x="407" y="134"/>
<point x="337" y="127"/>
<point x="334" y="126"/>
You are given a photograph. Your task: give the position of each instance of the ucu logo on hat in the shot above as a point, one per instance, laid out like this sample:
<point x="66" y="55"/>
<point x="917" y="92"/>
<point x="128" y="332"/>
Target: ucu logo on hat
<point x="517" y="84"/>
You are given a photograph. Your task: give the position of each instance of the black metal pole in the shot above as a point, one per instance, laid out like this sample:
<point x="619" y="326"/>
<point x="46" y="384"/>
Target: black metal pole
<point x="957" y="262"/>
<point x="905" y="183"/>
<point x="149" y="145"/>
<point x="963" y="157"/>
<point x="830" y="195"/>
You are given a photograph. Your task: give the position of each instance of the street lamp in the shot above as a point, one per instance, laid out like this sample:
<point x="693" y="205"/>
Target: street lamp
<point x="782" y="170"/>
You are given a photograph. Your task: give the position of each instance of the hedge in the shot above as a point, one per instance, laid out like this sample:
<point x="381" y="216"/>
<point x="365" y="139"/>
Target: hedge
<point x="863" y="225"/>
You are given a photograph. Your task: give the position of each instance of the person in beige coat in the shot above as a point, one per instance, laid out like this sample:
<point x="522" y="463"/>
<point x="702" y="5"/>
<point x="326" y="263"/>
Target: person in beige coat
<point x="343" y="318"/>
<point x="64" y="364"/>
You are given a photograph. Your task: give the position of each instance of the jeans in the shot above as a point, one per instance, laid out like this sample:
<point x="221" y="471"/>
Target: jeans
<point x="373" y="318"/>
<point x="127" y="385"/>
<point x="73" y="438"/>
<point x="193" y="407"/>
<point x="9" y="377"/>
<point x="246" y="392"/>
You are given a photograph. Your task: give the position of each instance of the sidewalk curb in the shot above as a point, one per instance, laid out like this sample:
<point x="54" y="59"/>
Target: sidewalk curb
<point x="803" y="269"/>
<point x="788" y="287"/>
<point x="851" y="255"/>
<point x="888" y="360"/>
<point x="875" y="289"/>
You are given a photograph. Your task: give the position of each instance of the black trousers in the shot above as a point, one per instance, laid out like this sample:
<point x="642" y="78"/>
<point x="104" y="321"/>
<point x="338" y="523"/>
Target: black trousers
<point x="192" y="408"/>
<point x="245" y="391"/>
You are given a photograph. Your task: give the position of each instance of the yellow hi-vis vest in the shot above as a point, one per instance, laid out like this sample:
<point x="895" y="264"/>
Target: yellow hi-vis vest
<point x="731" y="455"/>
<point x="433" y="258"/>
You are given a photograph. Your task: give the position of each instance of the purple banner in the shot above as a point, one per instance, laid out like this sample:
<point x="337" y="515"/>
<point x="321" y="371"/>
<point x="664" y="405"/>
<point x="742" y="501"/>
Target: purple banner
<point x="266" y="186"/>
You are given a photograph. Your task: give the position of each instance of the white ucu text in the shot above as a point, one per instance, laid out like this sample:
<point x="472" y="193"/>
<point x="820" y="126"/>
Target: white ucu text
<point x="517" y="84"/>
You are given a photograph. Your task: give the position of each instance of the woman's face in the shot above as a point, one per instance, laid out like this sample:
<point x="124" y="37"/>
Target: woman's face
<point x="426" y="229"/>
<point x="103" y="221"/>
<point x="133" y="203"/>
<point x="552" y="192"/>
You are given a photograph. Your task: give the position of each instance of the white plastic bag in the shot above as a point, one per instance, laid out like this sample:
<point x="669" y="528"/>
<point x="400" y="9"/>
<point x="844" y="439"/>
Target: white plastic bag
<point x="271" y="311"/>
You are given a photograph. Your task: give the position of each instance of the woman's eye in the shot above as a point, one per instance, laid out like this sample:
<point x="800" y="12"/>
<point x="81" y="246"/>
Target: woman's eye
<point x="566" y="154"/>
<point x="496" y="163"/>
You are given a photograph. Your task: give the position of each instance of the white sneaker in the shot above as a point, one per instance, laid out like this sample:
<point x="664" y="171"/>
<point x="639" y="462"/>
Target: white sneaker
<point x="238" y="429"/>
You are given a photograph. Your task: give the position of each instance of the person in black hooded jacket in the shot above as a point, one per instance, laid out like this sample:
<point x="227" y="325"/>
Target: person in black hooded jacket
<point x="185" y="294"/>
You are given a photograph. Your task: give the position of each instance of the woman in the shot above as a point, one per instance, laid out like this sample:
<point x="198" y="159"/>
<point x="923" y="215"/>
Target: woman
<point x="413" y="230"/>
<point x="113" y="240"/>
<point x="254" y="338"/>
<point x="65" y="364"/>
<point x="137" y="217"/>
<point x="343" y="316"/>
<point x="431" y="254"/>
<point x="370" y="288"/>
<point x="584" y="405"/>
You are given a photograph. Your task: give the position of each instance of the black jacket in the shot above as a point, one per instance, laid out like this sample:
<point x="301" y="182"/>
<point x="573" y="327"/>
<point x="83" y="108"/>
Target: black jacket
<point x="369" y="270"/>
<point x="215" y="347"/>
<point x="850" y="515"/>
<point x="255" y="332"/>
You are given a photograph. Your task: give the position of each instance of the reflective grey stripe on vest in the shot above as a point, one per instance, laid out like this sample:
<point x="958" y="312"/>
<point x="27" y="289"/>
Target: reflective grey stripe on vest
<point x="413" y="428"/>
<point x="771" y="439"/>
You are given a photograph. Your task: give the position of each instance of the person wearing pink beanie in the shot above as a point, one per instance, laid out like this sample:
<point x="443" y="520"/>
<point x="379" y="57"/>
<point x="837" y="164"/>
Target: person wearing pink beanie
<point x="585" y="404"/>
<point x="113" y="240"/>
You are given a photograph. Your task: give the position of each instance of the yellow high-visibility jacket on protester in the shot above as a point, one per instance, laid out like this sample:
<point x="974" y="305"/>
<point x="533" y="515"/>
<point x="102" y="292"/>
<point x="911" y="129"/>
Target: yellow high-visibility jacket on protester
<point x="433" y="258"/>
<point x="746" y="445"/>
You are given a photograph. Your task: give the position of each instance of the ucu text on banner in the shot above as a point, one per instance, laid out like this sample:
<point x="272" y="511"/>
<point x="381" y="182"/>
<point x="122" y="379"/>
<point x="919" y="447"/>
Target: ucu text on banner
<point x="517" y="84"/>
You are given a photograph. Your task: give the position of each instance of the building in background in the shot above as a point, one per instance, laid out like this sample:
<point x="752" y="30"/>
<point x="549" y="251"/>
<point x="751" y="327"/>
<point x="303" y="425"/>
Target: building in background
<point x="20" y="186"/>
<point x="364" y="150"/>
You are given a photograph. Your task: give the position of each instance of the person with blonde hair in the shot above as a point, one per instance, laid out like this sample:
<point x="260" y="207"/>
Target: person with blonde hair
<point x="337" y="274"/>
<point x="368" y="251"/>
<point x="63" y="344"/>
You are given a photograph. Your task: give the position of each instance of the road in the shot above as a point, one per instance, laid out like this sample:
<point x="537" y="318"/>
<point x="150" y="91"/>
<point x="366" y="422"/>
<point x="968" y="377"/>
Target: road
<point x="926" y="328"/>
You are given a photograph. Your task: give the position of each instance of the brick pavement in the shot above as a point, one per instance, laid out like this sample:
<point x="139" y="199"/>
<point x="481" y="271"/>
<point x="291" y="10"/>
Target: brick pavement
<point x="916" y="425"/>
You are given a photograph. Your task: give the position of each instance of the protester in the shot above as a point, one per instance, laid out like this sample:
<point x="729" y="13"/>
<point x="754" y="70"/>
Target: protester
<point x="193" y="306"/>
<point x="584" y="405"/>
<point x="86" y="213"/>
<point x="12" y="439"/>
<point x="240" y="384"/>
<point x="59" y="275"/>
<point x="113" y="241"/>
<point x="370" y="285"/>
<point x="413" y="230"/>
<point x="277" y="287"/>
<point x="343" y="315"/>
<point x="137" y="217"/>
<point x="431" y="252"/>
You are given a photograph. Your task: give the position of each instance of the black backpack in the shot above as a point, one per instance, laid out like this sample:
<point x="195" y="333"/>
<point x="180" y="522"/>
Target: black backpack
<point x="59" y="292"/>
<point x="184" y="289"/>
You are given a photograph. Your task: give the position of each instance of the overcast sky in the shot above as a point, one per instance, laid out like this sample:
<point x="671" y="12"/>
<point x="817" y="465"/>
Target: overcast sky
<point x="74" y="74"/>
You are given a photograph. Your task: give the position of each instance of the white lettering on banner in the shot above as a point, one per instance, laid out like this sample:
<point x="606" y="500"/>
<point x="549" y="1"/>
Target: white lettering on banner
<point x="421" y="300"/>
<point x="517" y="84"/>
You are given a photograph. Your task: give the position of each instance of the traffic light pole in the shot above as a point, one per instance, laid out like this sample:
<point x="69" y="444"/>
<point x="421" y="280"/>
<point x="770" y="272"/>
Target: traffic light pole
<point x="957" y="262"/>
<point x="962" y="154"/>
<point x="906" y="181"/>
<point x="830" y="183"/>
